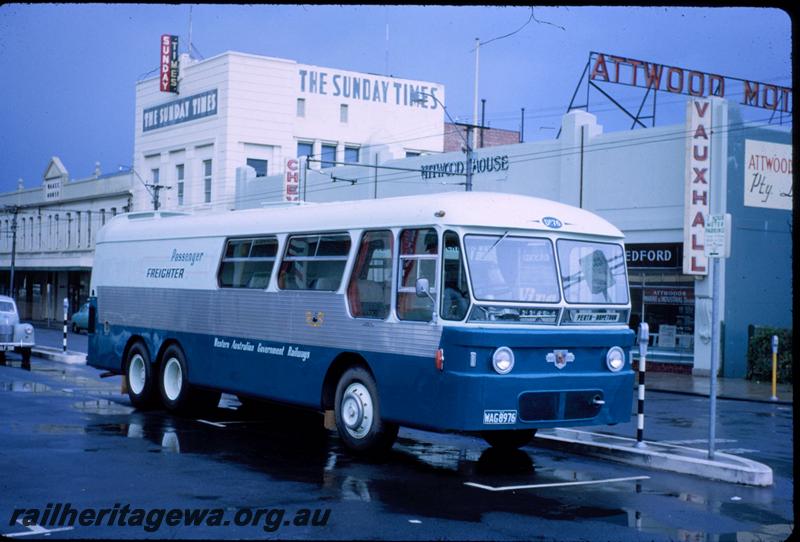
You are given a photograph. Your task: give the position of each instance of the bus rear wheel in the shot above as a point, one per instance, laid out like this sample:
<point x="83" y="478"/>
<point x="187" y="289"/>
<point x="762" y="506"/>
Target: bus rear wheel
<point x="176" y="392"/>
<point x="509" y="438"/>
<point x="358" y="414"/>
<point x="140" y="378"/>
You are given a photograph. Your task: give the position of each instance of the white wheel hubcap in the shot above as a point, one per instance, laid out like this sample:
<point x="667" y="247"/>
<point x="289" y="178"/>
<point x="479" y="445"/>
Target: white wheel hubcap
<point x="173" y="379"/>
<point x="357" y="410"/>
<point x="137" y="375"/>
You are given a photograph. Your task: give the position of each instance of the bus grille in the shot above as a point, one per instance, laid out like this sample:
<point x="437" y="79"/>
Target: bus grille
<point x="559" y="405"/>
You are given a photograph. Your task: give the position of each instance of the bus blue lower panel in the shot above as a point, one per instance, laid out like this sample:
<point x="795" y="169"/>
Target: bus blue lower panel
<point x="467" y="395"/>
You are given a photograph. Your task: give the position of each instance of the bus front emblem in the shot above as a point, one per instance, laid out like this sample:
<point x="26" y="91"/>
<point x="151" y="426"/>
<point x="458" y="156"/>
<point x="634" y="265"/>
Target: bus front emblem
<point x="560" y="358"/>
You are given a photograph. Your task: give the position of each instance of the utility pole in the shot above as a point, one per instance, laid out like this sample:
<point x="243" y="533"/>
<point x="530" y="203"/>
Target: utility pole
<point x="483" y="118"/>
<point x="15" y="210"/>
<point x="469" y="160"/>
<point x="156" y="188"/>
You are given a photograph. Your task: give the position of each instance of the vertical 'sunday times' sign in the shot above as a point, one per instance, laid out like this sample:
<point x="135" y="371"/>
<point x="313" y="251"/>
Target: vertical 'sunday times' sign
<point x="168" y="75"/>
<point x="698" y="175"/>
<point x="192" y="107"/>
<point x="767" y="175"/>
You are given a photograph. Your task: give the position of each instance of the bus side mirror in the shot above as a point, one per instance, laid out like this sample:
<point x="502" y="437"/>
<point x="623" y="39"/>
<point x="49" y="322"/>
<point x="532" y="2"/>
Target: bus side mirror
<point x="423" y="287"/>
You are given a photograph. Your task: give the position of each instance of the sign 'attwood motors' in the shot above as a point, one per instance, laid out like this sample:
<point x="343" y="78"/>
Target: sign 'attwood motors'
<point x="639" y="73"/>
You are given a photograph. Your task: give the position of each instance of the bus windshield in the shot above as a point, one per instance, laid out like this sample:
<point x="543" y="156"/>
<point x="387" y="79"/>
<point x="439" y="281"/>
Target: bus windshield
<point x="512" y="268"/>
<point x="593" y="272"/>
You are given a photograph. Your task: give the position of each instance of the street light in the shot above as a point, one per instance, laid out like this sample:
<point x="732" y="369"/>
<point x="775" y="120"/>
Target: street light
<point x="422" y="98"/>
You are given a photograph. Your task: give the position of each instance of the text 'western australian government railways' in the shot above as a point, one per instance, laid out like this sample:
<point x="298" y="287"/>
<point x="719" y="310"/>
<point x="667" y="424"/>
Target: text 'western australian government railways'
<point x="247" y="346"/>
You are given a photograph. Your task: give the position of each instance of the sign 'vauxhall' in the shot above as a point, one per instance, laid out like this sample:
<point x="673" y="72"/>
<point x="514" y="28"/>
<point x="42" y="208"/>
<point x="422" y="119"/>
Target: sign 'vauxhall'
<point x="696" y="206"/>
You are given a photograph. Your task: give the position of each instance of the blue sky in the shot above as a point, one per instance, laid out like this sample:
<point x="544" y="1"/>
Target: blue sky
<point x="69" y="71"/>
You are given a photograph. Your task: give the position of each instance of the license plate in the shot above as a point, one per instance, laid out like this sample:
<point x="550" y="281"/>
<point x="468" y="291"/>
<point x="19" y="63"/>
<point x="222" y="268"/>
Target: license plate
<point x="499" y="417"/>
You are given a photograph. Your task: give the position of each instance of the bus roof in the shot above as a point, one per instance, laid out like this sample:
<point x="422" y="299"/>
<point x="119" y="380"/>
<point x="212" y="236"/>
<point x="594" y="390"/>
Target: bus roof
<point x="476" y="209"/>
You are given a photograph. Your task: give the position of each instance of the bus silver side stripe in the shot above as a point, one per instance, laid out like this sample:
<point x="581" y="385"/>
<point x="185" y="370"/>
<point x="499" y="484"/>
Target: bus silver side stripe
<point x="316" y="319"/>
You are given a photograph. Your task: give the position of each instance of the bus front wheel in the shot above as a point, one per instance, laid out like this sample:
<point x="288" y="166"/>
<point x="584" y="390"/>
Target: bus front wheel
<point x="140" y="378"/>
<point x="358" y="413"/>
<point x="176" y="392"/>
<point x="508" y="438"/>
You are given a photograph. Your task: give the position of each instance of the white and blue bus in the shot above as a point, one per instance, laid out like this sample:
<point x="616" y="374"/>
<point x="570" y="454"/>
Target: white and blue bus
<point x="475" y="312"/>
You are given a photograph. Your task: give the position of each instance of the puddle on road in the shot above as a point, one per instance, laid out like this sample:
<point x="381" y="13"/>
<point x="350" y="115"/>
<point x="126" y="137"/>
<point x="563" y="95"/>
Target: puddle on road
<point x="24" y="386"/>
<point x="102" y="406"/>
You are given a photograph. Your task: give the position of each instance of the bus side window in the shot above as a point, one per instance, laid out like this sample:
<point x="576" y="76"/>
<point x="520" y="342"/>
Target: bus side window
<point x="247" y="263"/>
<point x="418" y="252"/>
<point x="314" y="262"/>
<point x="455" y="293"/>
<point x="370" y="289"/>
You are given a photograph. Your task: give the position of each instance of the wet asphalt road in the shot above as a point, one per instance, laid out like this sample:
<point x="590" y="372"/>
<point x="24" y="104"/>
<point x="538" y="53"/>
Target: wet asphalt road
<point x="70" y="437"/>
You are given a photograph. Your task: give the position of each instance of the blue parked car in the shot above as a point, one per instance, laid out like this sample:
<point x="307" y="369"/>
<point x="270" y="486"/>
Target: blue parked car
<point x="80" y="319"/>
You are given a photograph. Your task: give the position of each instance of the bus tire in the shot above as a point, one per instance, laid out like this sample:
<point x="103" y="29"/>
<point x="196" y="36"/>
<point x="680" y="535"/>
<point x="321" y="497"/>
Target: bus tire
<point x="176" y="392"/>
<point x="140" y="378"/>
<point x="358" y="414"/>
<point x="509" y="438"/>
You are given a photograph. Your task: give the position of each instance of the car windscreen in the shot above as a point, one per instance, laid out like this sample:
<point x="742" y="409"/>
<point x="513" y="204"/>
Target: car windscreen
<point x="6" y="306"/>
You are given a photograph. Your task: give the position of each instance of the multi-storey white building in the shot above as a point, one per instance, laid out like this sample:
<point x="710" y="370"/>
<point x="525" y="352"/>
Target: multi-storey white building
<point x="238" y="109"/>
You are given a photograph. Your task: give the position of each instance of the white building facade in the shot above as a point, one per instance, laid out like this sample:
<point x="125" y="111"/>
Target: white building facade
<point x="236" y="110"/>
<point x="55" y="226"/>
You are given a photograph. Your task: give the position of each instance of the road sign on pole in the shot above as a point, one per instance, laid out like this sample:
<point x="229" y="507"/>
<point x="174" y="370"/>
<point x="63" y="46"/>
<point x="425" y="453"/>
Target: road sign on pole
<point x="717" y="245"/>
<point x="718" y="236"/>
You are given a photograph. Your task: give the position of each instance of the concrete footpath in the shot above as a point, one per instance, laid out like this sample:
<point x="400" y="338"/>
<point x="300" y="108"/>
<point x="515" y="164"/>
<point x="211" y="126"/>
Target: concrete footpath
<point x="651" y="454"/>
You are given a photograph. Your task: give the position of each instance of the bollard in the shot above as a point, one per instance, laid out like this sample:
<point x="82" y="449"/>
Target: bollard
<point x="774" y="368"/>
<point x="66" y="309"/>
<point x="644" y="337"/>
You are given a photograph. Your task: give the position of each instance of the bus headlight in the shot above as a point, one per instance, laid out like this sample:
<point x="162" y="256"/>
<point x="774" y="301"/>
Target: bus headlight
<point x="503" y="360"/>
<point x="615" y="359"/>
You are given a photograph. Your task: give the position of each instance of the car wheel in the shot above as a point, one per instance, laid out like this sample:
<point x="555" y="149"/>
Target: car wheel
<point x="26" y="356"/>
<point x="139" y="376"/>
<point x="74" y="328"/>
<point x="177" y="394"/>
<point x="357" y="412"/>
<point x="509" y="438"/>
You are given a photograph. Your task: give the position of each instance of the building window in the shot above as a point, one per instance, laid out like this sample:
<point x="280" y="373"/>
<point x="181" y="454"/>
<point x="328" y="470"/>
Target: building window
<point x="154" y="174"/>
<point x="207" y="181"/>
<point x="305" y="149"/>
<point x="113" y="212"/>
<point x="343" y="113"/>
<point x="179" y="178"/>
<point x="412" y="154"/>
<point x="328" y="155"/>
<point x="351" y="155"/>
<point x="259" y="165"/>
<point x="102" y="217"/>
<point x="301" y="107"/>
<point x="69" y="230"/>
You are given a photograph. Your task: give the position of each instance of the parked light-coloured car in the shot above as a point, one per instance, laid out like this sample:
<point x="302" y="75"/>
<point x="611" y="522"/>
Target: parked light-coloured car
<point x="14" y="335"/>
<point x="80" y="319"/>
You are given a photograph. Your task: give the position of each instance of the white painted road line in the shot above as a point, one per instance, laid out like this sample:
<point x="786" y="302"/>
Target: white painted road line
<point x="559" y="484"/>
<point x="215" y="424"/>
<point x="36" y="529"/>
